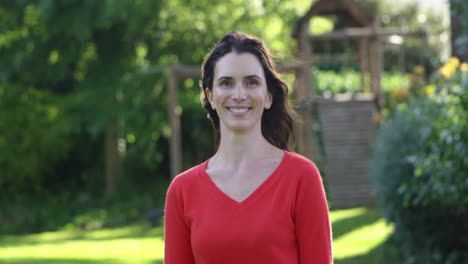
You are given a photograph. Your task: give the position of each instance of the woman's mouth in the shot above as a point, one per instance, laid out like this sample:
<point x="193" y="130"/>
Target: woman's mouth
<point x="238" y="110"/>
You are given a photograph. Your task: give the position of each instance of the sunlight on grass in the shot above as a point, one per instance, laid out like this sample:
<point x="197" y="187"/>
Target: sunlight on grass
<point x="360" y="238"/>
<point x="131" y="244"/>
<point x="109" y="233"/>
<point x="138" y="250"/>
<point x="346" y="213"/>
<point x="356" y="233"/>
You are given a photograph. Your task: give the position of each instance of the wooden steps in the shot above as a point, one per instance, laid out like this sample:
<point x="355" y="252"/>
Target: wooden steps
<point x="348" y="133"/>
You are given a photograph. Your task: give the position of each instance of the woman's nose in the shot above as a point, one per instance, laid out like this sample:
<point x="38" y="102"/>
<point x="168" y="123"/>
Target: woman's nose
<point x="239" y="93"/>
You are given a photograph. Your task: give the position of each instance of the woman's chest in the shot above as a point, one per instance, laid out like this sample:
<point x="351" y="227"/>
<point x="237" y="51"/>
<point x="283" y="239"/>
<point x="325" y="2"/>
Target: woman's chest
<point x="223" y="229"/>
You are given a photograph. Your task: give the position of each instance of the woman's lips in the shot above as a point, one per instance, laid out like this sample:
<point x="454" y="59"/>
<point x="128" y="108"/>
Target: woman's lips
<point x="238" y="109"/>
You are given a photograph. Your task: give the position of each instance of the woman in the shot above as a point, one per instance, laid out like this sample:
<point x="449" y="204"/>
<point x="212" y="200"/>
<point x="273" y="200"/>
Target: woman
<point x="253" y="201"/>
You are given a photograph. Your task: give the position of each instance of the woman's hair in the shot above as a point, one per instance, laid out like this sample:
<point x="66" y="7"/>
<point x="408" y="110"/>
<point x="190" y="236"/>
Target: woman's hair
<point x="277" y="121"/>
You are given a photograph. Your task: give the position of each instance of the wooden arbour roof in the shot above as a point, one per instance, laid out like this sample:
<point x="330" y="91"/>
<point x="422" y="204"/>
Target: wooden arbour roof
<point x="350" y="10"/>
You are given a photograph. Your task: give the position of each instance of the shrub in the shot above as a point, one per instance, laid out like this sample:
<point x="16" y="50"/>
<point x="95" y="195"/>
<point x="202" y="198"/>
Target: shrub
<point x="419" y="168"/>
<point x="77" y="211"/>
<point x="330" y="83"/>
<point x="32" y="138"/>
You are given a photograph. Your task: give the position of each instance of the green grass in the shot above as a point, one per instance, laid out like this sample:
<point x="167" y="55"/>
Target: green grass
<point x="359" y="237"/>
<point x="131" y="244"/>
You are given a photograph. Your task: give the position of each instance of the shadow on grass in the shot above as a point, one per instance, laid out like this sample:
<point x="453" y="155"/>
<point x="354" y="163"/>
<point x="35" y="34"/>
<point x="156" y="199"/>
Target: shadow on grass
<point x="346" y="225"/>
<point x="385" y="253"/>
<point x="139" y="230"/>
<point x="68" y="261"/>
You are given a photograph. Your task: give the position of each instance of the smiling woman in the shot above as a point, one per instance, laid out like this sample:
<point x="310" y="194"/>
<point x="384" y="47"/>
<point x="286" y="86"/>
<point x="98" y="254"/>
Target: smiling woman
<point x="254" y="201"/>
<point x="239" y="94"/>
<point x="277" y="121"/>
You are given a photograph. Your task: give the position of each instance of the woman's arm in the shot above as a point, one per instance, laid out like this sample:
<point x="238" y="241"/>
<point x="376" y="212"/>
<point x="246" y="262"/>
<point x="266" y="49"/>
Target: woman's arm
<point x="177" y="246"/>
<point x="313" y="227"/>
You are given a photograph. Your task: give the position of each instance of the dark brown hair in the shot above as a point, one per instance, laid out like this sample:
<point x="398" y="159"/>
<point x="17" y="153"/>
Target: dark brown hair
<point x="277" y="121"/>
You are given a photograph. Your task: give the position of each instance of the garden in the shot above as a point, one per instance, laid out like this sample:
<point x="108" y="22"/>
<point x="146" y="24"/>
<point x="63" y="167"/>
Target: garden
<point x="85" y="133"/>
<point x="360" y="235"/>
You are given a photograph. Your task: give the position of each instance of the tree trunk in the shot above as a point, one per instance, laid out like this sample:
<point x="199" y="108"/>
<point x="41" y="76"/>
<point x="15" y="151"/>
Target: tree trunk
<point x="112" y="160"/>
<point x="458" y="39"/>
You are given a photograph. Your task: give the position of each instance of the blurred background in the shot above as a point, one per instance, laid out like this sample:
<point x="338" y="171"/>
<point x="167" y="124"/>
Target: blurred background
<point x="85" y="128"/>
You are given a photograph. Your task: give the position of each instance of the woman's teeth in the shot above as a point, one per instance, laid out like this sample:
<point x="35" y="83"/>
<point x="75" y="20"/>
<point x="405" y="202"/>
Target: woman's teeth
<point x="238" y="109"/>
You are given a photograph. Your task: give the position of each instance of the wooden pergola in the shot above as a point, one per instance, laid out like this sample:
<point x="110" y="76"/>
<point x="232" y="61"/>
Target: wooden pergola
<point x="346" y="124"/>
<point x="363" y="29"/>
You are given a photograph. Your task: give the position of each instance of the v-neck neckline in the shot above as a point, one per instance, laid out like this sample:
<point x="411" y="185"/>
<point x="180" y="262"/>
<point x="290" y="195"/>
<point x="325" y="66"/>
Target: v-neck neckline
<point x="254" y="195"/>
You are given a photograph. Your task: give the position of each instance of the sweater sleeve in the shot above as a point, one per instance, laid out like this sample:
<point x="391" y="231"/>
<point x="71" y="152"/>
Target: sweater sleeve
<point x="313" y="227"/>
<point x="177" y="245"/>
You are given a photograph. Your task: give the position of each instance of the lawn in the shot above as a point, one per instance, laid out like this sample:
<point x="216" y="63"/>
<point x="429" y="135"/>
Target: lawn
<point x="359" y="236"/>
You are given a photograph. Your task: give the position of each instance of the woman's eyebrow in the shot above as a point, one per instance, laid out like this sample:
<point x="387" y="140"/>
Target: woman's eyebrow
<point x="254" y="76"/>
<point x="224" y="78"/>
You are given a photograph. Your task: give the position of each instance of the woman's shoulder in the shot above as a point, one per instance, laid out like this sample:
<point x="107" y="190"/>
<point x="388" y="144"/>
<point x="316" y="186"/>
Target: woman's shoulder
<point x="188" y="177"/>
<point x="300" y="168"/>
<point x="299" y="162"/>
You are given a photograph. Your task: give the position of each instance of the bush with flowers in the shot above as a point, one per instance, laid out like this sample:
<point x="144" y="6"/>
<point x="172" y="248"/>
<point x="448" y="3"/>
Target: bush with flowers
<point x="420" y="167"/>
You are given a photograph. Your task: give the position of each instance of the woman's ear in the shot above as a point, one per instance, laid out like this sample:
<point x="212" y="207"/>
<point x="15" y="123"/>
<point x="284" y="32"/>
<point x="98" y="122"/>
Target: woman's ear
<point x="268" y="101"/>
<point x="209" y="95"/>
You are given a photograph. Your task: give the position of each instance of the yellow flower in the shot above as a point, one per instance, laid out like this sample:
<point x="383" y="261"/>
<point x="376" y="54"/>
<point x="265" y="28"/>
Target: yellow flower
<point x="400" y="94"/>
<point x="446" y="71"/>
<point x="464" y="67"/>
<point x="449" y="68"/>
<point x="419" y="70"/>
<point x="429" y="89"/>
<point x="454" y="62"/>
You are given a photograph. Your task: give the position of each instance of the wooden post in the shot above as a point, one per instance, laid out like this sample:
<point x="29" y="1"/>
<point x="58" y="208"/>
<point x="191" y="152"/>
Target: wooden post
<point x="375" y="68"/>
<point x="299" y="94"/>
<point x="363" y="62"/>
<point x="174" y="117"/>
<point x="306" y="136"/>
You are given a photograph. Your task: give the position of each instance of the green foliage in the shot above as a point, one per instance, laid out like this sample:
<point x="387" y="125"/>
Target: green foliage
<point x="87" y="56"/>
<point x="407" y="15"/>
<point x="105" y="63"/>
<point x="71" y="69"/>
<point x="443" y="164"/>
<point x="77" y="211"/>
<point x="413" y="51"/>
<point x="458" y="8"/>
<point x="419" y="167"/>
<point x="330" y="83"/>
<point x="33" y="137"/>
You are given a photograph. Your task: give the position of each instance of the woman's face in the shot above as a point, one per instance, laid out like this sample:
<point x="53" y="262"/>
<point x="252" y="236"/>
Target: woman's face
<point x="239" y="93"/>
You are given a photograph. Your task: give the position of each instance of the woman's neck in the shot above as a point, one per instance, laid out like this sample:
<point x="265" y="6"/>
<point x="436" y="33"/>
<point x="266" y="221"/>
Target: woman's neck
<point x="237" y="148"/>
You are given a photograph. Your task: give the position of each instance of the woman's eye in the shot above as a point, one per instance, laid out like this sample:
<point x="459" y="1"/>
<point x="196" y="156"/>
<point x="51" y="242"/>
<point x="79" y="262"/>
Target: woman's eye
<point x="252" y="83"/>
<point x="226" y="83"/>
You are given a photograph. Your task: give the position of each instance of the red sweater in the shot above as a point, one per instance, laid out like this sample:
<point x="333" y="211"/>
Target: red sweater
<point x="285" y="220"/>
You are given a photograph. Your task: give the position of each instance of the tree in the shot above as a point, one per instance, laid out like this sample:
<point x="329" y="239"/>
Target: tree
<point x="81" y="52"/>
<point x="103" y="65"/>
